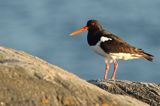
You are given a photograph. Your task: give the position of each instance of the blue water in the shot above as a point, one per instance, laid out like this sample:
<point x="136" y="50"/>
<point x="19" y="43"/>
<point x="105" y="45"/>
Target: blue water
<point x="42" y="27"/>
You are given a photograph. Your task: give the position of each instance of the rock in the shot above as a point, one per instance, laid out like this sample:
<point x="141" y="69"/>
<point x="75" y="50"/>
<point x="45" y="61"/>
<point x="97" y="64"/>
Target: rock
<point x="26" y="80"/>
<point x="146" y="92"/>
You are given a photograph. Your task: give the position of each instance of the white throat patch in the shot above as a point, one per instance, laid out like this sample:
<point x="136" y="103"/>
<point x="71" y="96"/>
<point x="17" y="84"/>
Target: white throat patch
<point x="103" y="39"/>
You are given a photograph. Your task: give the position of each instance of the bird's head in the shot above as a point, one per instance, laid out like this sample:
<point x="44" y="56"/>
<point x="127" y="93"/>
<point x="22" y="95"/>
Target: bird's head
<point x="92" y="25"/>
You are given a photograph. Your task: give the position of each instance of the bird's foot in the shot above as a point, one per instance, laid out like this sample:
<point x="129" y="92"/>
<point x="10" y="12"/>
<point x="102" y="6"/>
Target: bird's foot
<point x="111" y="79"/>
<point x="101" y="80"/>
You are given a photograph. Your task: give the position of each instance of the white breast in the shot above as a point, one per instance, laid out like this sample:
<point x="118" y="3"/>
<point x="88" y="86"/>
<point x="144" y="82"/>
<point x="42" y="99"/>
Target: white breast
<point x="98" y="49"/>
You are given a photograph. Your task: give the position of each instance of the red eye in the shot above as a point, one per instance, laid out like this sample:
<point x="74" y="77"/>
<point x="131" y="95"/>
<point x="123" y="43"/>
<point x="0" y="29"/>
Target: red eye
<point x="93" y="23"/>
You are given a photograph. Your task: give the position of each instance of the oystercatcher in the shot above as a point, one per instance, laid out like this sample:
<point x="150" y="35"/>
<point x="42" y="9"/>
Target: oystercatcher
<point x="111" y="47"/>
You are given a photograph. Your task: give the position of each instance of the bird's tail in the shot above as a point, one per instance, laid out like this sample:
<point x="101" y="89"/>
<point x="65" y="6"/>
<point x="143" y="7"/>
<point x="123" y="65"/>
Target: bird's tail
<point x="147" y="56"/>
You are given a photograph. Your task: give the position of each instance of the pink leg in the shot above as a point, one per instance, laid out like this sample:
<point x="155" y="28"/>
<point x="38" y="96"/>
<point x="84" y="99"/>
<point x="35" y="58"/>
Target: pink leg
<point x="106" y="71"/>
<point x="115" y="69"/>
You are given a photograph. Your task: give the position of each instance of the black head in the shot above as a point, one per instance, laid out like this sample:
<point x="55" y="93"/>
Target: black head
<point x="94" y="25"/>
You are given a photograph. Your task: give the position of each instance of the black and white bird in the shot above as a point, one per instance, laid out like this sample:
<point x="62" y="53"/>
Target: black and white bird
<point x="111" y="47"/>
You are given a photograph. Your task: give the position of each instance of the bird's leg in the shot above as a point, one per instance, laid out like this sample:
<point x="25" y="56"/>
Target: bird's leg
<point x="106" y="71"/>
<point x="115" y="69"/>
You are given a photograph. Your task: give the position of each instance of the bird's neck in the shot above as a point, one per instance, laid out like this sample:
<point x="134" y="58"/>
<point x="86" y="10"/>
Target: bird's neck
<point x="93" y="37"/>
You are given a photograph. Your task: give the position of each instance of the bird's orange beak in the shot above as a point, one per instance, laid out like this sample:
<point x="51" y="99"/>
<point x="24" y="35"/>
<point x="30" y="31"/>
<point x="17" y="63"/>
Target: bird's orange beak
<point x="79" y="31"/>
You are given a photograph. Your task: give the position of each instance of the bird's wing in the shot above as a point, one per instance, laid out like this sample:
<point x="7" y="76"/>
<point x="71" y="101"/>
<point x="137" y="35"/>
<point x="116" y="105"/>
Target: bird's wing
<point x="115" y="44"/>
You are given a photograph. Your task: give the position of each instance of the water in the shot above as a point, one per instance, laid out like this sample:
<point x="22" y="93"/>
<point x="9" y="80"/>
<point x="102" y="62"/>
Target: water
<point x="42" y="27"/>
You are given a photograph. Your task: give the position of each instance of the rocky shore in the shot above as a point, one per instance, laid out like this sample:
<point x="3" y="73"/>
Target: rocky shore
<point x="26" y="80"/>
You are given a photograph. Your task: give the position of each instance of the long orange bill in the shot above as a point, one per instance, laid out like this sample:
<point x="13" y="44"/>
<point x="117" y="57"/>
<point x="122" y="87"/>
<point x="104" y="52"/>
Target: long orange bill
<point x="79" y="31"/>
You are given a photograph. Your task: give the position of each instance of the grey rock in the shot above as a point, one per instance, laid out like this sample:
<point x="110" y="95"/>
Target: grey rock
<point x="26" y="80"/>
<point x="146" y="92"/>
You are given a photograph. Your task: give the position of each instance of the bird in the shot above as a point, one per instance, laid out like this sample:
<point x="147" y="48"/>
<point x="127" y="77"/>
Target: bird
<point x="110" y="46"/>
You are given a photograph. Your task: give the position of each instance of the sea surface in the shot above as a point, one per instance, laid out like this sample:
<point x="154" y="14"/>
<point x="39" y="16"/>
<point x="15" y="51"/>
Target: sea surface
<point x="42" y="27"/>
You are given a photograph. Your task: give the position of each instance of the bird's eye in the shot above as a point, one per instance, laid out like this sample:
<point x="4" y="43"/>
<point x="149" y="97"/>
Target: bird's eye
<point x="93" y="23"/>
